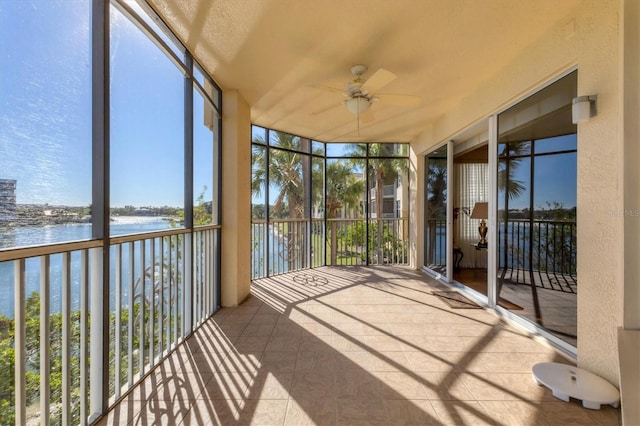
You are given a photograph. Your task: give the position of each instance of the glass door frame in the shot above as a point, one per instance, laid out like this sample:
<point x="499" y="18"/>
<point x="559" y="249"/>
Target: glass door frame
<point x="448" y="275"/>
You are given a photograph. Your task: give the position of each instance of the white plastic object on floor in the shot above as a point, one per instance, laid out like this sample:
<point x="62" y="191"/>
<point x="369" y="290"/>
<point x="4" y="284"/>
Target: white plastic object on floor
<point x="567" y="381"/>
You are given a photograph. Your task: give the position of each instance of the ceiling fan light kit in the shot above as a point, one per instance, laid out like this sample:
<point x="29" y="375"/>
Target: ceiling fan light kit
<point x="358" y="104"/>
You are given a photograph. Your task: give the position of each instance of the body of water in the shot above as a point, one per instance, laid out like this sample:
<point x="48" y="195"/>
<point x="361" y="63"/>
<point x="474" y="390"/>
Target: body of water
<point x="51" y="234"/>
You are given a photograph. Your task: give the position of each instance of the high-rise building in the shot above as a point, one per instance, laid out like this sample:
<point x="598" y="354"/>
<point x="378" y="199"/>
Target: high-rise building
<point x="7" y="200"/>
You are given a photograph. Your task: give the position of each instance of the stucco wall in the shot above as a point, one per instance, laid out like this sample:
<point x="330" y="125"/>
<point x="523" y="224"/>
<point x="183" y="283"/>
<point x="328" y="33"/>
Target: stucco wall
<point x="236" y="202"/>
<point x="588" y="39"/>
<point x="600" y="192"/>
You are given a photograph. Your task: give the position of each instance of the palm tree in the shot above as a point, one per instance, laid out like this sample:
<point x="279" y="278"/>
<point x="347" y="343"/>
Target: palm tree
<point x="436" y="185"/>
<point x="289" y="171"/>
<point x="344" y="190"/>
<point x="381" y="171"/>
<point x="509" y="160"/>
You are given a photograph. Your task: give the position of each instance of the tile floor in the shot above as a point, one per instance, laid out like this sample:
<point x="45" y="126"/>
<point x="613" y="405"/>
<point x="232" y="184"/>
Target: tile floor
<point x="351" y="346"/>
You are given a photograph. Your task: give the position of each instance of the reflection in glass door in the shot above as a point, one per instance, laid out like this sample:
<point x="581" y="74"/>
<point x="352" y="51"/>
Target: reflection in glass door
<point x="537" y="180"/>
<point x="435" y="216"/>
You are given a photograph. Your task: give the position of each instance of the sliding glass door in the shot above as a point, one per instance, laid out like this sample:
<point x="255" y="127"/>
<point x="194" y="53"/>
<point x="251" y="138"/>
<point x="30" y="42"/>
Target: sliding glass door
<point x="435" y="208"/>
<point x="536" y="211"/>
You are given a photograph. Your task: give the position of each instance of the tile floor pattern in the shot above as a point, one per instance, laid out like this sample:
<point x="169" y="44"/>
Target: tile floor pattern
<point x="351" y="346"/>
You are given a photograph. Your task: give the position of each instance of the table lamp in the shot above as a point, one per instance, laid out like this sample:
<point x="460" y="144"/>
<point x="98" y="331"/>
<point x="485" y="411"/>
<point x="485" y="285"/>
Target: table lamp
<point x="481" y="211"/>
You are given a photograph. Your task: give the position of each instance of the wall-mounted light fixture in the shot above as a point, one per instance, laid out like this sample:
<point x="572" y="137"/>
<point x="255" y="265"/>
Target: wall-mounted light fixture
<point x="583" y="108"/>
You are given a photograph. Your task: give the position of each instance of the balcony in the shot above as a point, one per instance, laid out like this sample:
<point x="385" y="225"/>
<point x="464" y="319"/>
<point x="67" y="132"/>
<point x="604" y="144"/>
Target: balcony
<point x="351" y="345"/>
<point x="53" y="340"/>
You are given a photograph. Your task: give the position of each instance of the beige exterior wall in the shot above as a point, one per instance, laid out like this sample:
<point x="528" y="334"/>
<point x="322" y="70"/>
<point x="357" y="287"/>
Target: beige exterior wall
<point x="236" y="199"/>
<point x="589" y="39"/>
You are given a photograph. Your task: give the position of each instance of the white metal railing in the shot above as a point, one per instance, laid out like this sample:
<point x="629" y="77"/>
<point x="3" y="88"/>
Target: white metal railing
<point x="162" y="286"/>
<point x="282" y="246"/>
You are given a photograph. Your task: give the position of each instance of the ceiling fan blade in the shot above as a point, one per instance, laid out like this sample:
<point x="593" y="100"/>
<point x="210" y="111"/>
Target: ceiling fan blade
<point x="378" y="80"/>
<point x="399" y="100"/>
<point x="367" y="116"/>
<point x="329" y="108"/>
<point x="326" y="88"/>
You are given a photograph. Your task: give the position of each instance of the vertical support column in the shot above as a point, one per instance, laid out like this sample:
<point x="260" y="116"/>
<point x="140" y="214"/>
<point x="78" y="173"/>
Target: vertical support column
<point x="449" y="213"/>
<point x="100" y="199"/>
<point x="188" y="144"/>
<point x="629" y="333"/>
<point x="416" y="209"/>
<point x="631" y="134"/>
<point x="236" y="205"/>
<point x="492" y="238"/>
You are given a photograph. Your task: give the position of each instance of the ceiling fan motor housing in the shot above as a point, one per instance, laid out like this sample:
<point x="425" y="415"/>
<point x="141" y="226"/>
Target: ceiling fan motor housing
<point x="358" y="70"/>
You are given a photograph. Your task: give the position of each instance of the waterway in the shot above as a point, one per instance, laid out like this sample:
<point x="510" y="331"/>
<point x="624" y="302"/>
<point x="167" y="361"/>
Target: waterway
<point x="51" y="234"/>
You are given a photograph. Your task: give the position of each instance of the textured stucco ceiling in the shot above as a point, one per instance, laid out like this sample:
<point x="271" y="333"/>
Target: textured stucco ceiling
<point x="274" y="51"/>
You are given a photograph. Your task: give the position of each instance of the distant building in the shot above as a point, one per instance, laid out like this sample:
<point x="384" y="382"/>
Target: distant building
<point x="8" y="210"/>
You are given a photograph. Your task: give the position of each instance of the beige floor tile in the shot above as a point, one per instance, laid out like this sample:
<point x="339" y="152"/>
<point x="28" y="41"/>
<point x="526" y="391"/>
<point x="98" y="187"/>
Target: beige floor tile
<point x="313" y="384"/>
<point x="389" y="361"/>
<point x="315" y="361"/>
<point x="259" y="329"/>
<point x="184" y="386"/>
<point x="572" y="413"/>
<point x="455" y="413"/>
<point x="411" y="412"/>
<point x="251" y="344"/>
<point x="357" y="384"/>
<point x="356" y="360"/>
<point x="227" y="386"/>
<point x="212" y="412"/>
<point x="399" y="385"/>
<point x="444" y="361"/>
<point x="505" y="387"/>
<point x="283" y="342"/>
<point x="162" y="412"/>
<point x="263" y="412"/>
<point x="370" y="346"/>
<point x="516" y="413"/>
<point x="236" y="363"/>
<point x="446" y="386"/>
<point x="270" y="386"/>
<point x="362" y="412"/>
<point x="311" y="412"/>
<point x="278" y="361"/>
<point x="124" y="413"/>
<point x="504" y="362"/>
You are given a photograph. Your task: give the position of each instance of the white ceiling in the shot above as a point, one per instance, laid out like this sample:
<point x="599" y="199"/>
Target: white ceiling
<point x="274" y="51"/>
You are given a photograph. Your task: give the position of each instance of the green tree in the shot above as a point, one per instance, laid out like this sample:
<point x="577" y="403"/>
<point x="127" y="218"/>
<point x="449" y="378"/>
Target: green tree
<point x="344" y="190"/>
<point x="288" y="172"/>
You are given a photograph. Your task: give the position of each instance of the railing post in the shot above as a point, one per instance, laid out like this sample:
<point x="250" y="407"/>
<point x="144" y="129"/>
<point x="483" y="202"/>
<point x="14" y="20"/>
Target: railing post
<point x="20" y="343"/>
<point x="84" y="330"/>
<point x="45" y="354"/>
<point x="97" y="327"/>
<point x="187" y="315"/>
<point x="66" y="338"/>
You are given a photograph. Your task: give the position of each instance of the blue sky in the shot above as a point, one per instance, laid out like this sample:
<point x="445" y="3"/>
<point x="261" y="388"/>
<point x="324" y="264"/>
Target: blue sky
<point x="45" y="110"/>
<point x="45" y="133"/>
<point x="555" y="175"/>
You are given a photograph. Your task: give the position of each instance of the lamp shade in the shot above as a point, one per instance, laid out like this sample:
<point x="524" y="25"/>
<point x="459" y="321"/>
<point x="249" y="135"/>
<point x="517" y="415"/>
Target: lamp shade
<point x="480" y="211"/>
<point x="357" y="105"/>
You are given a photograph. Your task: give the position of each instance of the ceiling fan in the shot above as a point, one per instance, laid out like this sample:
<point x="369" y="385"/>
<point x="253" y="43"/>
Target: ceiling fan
<point x="361" y="95"/>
